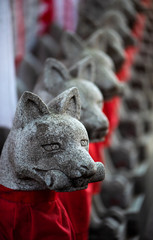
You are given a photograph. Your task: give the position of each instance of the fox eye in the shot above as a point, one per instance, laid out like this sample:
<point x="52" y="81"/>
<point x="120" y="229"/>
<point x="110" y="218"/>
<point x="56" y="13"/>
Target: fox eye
<point x="51" y="147"/>
<point x="84" y="143"/>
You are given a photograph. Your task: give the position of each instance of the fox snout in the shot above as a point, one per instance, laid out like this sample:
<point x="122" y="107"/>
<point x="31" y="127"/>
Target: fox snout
<point x="100" y="173"/>
<point x="98" y="176"/>
<point x="100" y="130"/>
<point x="88" y="170"/>
<point x="85" y="170"/>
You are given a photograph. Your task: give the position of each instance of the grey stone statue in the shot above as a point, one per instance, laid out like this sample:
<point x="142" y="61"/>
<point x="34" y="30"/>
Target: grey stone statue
<point x="110" y="19"/>
<point x="117" y="191"/>
<point x="47" y="147"/>
<point x="116" y="20"/>
<point x="126" y="7"/>
<point x="139" y="6"/>
<point x="96" y="8"/>
<point x="110" y="42"/>
<point x="74" y="49"/>
<point x="56" y="79"/>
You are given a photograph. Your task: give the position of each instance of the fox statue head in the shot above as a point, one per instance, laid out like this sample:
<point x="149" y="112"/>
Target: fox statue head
<point x="110" y="42"/>
<point x="98" y="47"/>
<point x="56" y="78"/>
<point x="47" y="147"/>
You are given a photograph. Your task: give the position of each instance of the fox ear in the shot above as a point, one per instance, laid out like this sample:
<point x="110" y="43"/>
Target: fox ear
<point x="29" y="108"/>
<point x="55" y="73"/>
<point x="97" y="40"/>
<point x="85" y="69"/>
<point x="67" y="102"/>
<point x="72" y="45"/>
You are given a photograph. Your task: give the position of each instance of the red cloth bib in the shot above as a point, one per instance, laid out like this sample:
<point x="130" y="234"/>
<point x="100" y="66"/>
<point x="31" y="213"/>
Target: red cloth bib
<point x="78" y="206"/>
<point x="33" y="215"/>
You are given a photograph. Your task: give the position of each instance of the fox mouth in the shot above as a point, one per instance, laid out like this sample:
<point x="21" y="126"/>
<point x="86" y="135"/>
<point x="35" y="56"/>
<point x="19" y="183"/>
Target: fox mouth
<point x="80" y="183"/>
<point x="72" y="188"/>
<point x="58" y="181"/>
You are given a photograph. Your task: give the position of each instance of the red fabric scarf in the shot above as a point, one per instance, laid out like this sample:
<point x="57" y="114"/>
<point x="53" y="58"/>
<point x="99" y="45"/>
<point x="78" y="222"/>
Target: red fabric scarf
<point x="33" y="215"/>
<point x="78" y="206"/>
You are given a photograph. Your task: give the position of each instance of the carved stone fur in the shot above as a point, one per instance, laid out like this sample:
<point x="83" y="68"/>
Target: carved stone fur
<point x="56" y="79"/>
<point x="47" y="147"/>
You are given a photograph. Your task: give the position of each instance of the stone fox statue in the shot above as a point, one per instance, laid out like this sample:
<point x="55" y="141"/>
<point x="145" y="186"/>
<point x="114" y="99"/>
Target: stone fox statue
<point x="47" y="149"/>
<point x="56" y="78"/>
<point x="75" y="49"/>
<point x="47" y="146"/>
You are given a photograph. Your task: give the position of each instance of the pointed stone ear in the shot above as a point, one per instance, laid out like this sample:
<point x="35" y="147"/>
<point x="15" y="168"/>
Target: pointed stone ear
<point x="67" y="102"/>
<point x="29" y="108"/>
<point x="85" y="69"/>
<point x="97" y="40"/>
<point x="72" y="45"/>
<point x="55" y="73"/>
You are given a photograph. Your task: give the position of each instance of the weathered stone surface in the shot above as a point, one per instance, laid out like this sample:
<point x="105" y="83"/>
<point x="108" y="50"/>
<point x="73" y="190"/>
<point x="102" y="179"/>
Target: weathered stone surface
<point x="110" y="229"/>
<point x="139" y="7"/>
<point x="108" y="223"/>
<point x="94" y="16"/>
<point x="116" y="191"/>
<point x="127" y="8"/>
<point x="124" y="156"/>
<point x="47" y="147"/>
<point x="94" y="10"/>
<point x="110" y="42"/>
<point x="131" y="128"/>
<point x="72" y="49"/>
<point x="105" y="79"/>
<point x="56" y="78"/>
<point x="116" y="20"/>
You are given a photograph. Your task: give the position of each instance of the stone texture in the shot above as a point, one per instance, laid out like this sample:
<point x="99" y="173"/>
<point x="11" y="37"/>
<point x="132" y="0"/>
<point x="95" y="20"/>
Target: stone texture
<point x="117" y="16"/>
<point x="130" y="128"/>
<point x="105" y="79"/>
<point x="124" y="156"/>
<point x="127" y="8"/>
<point x="116" y="20"/>
<point x="117" y="191"/>
<point x="47" y="147"/>
<point x="110" y="42"/>
<point x="56" y="78"/>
